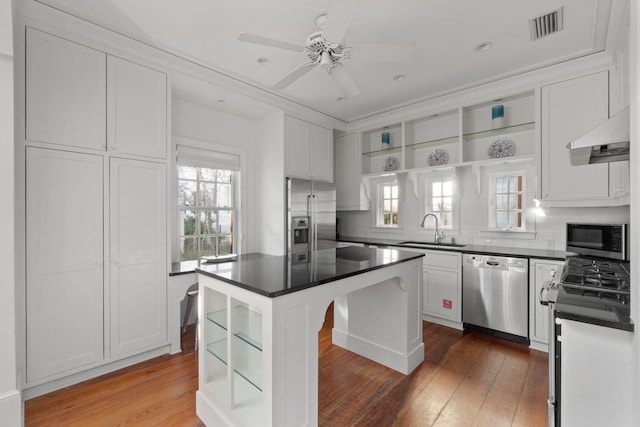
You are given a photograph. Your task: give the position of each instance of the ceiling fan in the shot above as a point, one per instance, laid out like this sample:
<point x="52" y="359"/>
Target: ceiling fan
<point x="325" y="47"/>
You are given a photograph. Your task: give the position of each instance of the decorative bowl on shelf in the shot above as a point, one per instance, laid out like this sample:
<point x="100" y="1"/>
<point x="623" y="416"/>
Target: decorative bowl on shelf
<point x="502" y="148"/>
<point x="438" y="157"/>
<point x="391" y="164"/>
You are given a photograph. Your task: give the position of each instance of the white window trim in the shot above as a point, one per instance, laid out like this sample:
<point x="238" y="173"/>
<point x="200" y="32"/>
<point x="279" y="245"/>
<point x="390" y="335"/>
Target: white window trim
<point x="427" y="182"/>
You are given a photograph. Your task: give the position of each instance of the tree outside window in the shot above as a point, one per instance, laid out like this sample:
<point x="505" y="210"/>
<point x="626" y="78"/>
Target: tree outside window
<point x="508" y="211"/>
<point x="206" y="211"/>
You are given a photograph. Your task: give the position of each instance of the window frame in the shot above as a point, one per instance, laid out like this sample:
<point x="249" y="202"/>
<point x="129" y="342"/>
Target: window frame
<point x="379" y="211"/>
<point x="428" y="199"/>
<point x="493" y="201"/>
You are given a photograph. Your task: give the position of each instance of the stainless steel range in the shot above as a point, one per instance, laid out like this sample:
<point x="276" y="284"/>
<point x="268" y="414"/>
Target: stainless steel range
<point x="591" y="289"/>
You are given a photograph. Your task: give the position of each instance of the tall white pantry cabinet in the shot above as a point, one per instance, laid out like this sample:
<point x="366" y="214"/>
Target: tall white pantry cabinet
<point x="96" y="208"/>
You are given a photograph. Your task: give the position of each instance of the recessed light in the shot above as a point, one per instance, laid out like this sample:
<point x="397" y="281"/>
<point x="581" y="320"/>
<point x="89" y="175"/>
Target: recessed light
<point x="399" y="78"/>
<point x="341" y="99"/>
<point x="484" y="46"/>
<point x="263" y="60"/>
<point x="221" y="101"/>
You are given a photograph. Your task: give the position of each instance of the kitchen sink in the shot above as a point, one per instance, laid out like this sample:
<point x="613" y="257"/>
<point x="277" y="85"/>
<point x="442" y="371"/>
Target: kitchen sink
<point x="431" y="244"/>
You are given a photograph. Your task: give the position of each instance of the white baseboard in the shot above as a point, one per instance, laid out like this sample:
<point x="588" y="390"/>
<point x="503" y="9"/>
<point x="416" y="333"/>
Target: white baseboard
<point x="443" y="322"/>
<point x="540" y="346"/>
<point x="11" y="413"/>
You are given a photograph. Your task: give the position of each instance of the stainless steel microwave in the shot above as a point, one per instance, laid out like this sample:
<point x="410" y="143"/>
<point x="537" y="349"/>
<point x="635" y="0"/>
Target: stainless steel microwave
<point x="600" y="240"/>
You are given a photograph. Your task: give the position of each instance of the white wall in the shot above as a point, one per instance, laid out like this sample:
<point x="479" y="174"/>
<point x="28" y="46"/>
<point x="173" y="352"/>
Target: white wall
<point x="10" y="399"/>
<point x="194" y="121"/>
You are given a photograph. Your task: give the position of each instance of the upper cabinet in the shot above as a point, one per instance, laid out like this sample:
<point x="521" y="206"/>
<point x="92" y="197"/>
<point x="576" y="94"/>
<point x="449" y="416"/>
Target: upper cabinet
<point x="66" y="99"/>
<point x="570" y="109"/>
<point x="308" y="150"/>
<point x="136" y="109"/>
<point x="80" y="97"/>
<point x="350" y="194"/>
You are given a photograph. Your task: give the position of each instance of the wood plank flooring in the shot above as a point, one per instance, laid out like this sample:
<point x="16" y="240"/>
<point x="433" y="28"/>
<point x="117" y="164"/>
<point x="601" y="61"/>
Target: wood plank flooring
<point x="467" y="379"/>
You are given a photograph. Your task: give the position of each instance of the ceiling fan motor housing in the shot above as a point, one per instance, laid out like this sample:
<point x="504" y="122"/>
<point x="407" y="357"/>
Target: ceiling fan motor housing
<point x="321" y="51"/>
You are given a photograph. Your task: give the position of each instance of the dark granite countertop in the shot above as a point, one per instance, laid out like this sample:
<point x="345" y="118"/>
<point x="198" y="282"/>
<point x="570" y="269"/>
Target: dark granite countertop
<point x="593" y="310"/>
<point x="473" y="249"/>
<point x="273" y="276"/>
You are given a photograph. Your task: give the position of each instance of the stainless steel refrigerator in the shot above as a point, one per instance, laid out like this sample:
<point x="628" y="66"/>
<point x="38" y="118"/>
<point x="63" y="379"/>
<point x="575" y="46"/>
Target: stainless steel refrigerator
<point x="311" y="215"/>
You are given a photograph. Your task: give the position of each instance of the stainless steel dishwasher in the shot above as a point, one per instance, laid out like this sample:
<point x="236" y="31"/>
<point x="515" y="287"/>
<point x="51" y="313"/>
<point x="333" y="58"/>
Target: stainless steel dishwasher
<point x="495" y="293"/>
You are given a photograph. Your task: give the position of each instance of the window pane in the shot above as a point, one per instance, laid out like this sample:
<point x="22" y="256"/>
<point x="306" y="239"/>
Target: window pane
<point x="225" y="245"/>
<point x="207" y="192"/>
<point x="513" y="201"/>
<point x="394" y="191"/>
<point x="502" y="219"/>
<point x="386" y="192"/>
<point x="447" y="203"/>
<point x="436" y="204"/>
<point x="208" y="224"/>
<point x="188" y="249"/>
<point x="207" y="174"/>
<point x="501" y="202"/>
<point x="386" y="218"/>
<point x="387" y="205"/>
<point x="394" y="219"/>
<point x="224" y="196"/>
<point x="224" y="176"/>
<point x="436" y="189"/>
<point x="446" y="219"/>
<point x="394" y="206"/>
<point x="187" y="223"/>
<point x="186" y="172"/>
<point x="186" y="193"/>
<point x="207" y="246"/>
<point x="501" y="185"/>
<point x="447" y="188"/>
<point x="224" y="217"/>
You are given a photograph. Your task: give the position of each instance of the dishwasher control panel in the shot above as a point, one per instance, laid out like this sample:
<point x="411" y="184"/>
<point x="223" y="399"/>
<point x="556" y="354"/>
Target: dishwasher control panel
<point x="489" y="261"/>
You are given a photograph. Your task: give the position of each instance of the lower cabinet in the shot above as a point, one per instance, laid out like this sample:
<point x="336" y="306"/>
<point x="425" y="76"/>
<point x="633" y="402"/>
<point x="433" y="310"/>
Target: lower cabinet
<point x="96" y="256"/>
<point x="442" y="284"/>
<point x="540" y="271"/>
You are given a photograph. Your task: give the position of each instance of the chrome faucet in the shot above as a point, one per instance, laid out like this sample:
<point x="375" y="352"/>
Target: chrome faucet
<point x="437" y="236"/>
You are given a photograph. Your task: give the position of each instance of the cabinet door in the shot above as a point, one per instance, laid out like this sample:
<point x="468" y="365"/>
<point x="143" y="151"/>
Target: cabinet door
<point x="570" y="109"/>
<point x="138" y="255"/>
<point x="137" y="109"/>
<point x="347" y="174"/>
<point x="541" y="272"/>
<point x="321" y="153"/>
<point x="65" y="92"/>
<point x="296" y="148"/>
<point x="441" y="293"/>
<point x="64" y="286"/>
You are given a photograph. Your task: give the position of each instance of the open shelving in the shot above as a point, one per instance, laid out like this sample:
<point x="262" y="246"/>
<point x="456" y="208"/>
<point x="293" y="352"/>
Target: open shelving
<point x="465" y="134"/>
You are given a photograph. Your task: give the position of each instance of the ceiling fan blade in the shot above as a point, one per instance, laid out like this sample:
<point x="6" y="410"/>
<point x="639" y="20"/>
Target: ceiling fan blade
<point x="293" y="76"/>
<point x="265" y="41"/>
<point x="338" y="19"/>
<point x="399" y="52"/>
<point x="344" y="81"/>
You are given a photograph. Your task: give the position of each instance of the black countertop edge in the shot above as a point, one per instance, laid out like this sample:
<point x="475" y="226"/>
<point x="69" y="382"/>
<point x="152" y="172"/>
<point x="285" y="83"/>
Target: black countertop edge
<point x="472" y="249"/>
<point x="183" y="267"/>
<point x="285" y="291"/>
<point x="625" y="325"/>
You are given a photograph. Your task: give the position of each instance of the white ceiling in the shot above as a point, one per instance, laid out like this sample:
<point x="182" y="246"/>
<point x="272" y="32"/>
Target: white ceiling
<point x="445" y="34"/>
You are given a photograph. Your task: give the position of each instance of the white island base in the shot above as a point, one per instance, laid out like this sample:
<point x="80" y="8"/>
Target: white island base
<point x="268" y="376"/>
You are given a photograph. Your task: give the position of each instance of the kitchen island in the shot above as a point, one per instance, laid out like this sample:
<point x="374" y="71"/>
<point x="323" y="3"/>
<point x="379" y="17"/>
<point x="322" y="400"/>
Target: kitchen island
<point x="259" y="318"/>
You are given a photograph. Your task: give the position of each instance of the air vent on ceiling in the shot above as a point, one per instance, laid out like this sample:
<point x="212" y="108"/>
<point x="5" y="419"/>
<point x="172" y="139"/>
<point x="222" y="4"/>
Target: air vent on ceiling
<point x="546" y="24"/>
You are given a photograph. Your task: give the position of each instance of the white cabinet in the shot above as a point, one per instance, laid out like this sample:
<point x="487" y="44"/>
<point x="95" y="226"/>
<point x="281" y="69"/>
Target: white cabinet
<point x="570" y="109"/>
<point x="136" y="109"/>
<point x="138" y="256"/>
<point x="540" y="271"/>
<point x="84" y="98"/>
<point x="308" y="150"/>
<point x="65" y="92"/>
<point x="66" y="255"/>
<point x="442" y="284"/>
<point x="350" y="192"/>
<point x="64" y="289"/>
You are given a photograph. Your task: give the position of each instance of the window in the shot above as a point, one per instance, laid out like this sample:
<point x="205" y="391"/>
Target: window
<point x="207" y="202"/>
<point x="440" y="201"/>
<point x="206" y="213"/>
<point x="507" y="207"/>
<point x="388" y="197"/>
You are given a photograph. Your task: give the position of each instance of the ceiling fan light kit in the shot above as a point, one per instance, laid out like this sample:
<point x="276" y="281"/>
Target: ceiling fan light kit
<point x="326" y="48"/>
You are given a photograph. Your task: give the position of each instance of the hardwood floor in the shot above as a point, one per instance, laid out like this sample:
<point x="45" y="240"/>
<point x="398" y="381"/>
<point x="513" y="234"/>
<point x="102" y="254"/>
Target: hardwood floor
<point x="466" y="379"/>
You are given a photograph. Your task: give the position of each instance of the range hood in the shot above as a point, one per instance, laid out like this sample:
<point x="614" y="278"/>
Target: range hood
<point x="607" y="142"/>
